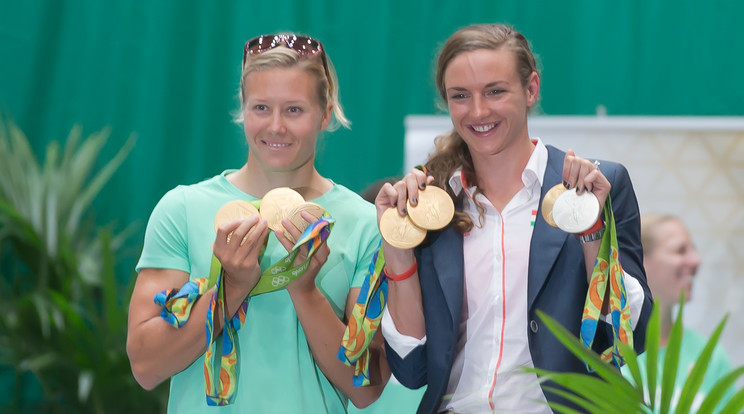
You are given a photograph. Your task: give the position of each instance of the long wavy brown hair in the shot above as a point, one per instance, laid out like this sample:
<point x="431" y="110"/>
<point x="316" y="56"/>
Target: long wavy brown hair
<point x="451" y="152"/>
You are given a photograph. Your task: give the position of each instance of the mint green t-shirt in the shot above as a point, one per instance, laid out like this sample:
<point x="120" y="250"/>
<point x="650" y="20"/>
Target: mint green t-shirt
<point x="690" y="349"/>
<point x="277" y="373"/>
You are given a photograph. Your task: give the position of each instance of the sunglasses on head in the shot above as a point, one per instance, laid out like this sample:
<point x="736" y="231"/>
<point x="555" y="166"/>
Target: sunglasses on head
<point x="303" y="45"/>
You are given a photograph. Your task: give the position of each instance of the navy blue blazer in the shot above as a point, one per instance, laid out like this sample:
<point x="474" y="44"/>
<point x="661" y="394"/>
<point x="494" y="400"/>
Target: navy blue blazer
<point x="556" y="285"/>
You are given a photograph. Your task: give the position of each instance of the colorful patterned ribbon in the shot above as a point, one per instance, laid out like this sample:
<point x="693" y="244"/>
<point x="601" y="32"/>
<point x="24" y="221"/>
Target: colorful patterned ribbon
<point x="365" y="319"/>
<point x="608" y="272"/>
<point x="176" y="307"/>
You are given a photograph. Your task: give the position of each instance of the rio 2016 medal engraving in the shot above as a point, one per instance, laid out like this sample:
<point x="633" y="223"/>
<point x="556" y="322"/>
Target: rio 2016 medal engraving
<point x="276" y="205"/>
<point x="234" y="210"/>
<point x="576" y="213"/>
<point x="434" y="210"/>
<point x="549" y="201"/>
<point x="399" y="231"/>
<point x="295" y="216"/>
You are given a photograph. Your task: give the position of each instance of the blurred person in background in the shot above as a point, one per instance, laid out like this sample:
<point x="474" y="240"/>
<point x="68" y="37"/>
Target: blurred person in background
<point x="672" y="261"/>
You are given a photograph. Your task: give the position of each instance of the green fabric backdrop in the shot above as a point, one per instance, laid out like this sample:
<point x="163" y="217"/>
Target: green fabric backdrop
<point x="168" y="71"/>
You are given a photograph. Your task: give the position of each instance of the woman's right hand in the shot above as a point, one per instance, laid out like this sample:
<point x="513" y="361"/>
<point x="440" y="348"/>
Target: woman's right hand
<point x="237" y="247"/>
<point x="396" y="195"/>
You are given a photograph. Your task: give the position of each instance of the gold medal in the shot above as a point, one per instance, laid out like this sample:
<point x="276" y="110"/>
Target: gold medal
<point x="295" y="216"/>
<point x="549" y="201"/>
<point x="434" y="210"/>
<point x="234" y="210"/>
<point x="276" y="205"/>
<point x="400" y="231"/>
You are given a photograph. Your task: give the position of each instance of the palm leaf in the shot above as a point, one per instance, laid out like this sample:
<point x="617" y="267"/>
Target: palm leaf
<point x="695" y="378"/>
<point x="587" y="405"/>
<point x="671" y="360"/>
<point x="573" y="344"/>
<point x="653" y="337"/>
<point x="735" y="404"/>
<point x="633" y="366"/>
<point x="717" y="392"/>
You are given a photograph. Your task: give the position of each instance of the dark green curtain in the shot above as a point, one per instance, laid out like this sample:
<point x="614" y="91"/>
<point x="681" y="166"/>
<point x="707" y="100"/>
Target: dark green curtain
<point x="168" y="71"/>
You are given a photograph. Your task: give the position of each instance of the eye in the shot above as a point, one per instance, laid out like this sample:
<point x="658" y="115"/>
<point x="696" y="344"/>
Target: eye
<point x="458" y="96"/>
<point x="294" y="109"/>
<point x="496" y="91"/>
<point x="261" y="107"/>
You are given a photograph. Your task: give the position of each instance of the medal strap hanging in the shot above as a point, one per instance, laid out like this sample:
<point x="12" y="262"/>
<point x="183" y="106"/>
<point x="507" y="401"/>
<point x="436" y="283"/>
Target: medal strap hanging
<point x="221" y="388"/>
<point x="365" y="320"/>
<point x="176" y="306"/>
<point x="607" y="274"/>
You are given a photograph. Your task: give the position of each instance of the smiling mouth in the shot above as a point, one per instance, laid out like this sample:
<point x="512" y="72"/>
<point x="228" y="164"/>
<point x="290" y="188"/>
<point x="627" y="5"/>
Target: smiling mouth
<point x="483" y="128"/>
<point x="276" y="145"/>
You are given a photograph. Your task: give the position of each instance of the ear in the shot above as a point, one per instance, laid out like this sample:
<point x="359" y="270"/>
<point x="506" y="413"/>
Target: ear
<point x="533" y="89"/>
<point x="327" y="115"/>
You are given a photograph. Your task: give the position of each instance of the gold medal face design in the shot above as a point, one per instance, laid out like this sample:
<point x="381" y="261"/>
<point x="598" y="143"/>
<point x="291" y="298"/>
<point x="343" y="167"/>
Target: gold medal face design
<point x="434" y="210"/>
<point x="276" y="205"/>
<point x="576" y="213"/>
<point x="234" y="210"/>
<point x="295" y="216"/>
<point x="549" y="201"/>
<point x="400" y="232"/>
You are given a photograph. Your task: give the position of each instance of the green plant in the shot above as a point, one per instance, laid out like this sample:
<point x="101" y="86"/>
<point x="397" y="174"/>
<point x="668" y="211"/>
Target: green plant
<point x="62" y="311"/>
<point x="610" y="392"/>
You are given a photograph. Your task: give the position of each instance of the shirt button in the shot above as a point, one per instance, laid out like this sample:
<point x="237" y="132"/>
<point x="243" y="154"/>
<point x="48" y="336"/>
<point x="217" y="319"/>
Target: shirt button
<point x="533" y="326"/>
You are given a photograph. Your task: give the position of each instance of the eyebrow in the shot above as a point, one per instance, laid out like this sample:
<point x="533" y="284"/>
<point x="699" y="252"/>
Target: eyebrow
<point x="487" y="86"/>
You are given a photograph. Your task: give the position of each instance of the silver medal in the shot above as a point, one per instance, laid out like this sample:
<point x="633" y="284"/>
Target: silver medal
<point x="576" y="213"/>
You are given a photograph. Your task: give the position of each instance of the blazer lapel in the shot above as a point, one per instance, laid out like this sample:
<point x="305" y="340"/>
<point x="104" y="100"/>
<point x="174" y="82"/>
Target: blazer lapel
<point x="547" y="241"/>
<point x="449" y="267"/>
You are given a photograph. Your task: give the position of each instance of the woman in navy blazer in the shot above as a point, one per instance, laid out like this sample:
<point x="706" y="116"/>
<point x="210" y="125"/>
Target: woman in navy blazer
<point x="461" y="315"/>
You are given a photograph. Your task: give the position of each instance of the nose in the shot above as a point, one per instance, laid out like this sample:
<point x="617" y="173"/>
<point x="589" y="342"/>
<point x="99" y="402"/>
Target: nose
<point x="276" y="126"/>
<point x="693" y="258"/>
<point x="479" y="108"/>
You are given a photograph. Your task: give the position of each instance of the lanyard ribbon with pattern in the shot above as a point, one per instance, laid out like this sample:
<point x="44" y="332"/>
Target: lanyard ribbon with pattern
<point x="608" y="273"/>
<point x="365" y="320"/>
<point x="176" y="307"/>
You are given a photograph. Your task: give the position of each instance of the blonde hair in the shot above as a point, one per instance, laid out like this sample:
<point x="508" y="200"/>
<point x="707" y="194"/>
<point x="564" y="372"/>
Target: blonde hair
<point x="649" y="224"/>
<point x="284" y="57"/>
<point x="451" y="152"/>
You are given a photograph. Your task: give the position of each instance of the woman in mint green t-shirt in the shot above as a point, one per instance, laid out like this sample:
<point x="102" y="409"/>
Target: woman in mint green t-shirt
<point x="289" y="338"/>
<point x="671" y="261"/>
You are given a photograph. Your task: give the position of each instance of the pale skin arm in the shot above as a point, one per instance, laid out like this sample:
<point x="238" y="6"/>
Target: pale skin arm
<point x="324" y="331"/>
<point x="404" y="297"/>
<point x="158" y="350"/>
<point x="582" y="174"/>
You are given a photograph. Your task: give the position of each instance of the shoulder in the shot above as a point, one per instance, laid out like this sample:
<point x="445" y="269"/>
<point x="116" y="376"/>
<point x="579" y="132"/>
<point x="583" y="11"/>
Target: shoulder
<point x="346" y="201"/>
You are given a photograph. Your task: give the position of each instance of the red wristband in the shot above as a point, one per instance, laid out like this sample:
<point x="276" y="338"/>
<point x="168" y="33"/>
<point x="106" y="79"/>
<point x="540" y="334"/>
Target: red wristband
<point x="595" y="227"/>
<point x="403" y="276"/>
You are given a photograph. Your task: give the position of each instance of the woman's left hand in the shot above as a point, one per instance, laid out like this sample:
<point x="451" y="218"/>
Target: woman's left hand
<point x="583" y="174"/>
<point x="306" y="281"/>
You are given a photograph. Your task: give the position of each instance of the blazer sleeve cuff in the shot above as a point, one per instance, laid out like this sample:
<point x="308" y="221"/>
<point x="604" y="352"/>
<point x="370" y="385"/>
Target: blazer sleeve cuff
<point x="398" y="342"/>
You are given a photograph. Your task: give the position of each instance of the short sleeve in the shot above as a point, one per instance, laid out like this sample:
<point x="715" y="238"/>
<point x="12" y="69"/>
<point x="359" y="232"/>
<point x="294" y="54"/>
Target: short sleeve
<point x="165" y="245"/>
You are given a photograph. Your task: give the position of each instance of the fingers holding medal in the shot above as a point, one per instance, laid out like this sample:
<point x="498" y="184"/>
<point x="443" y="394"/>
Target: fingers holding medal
<point x="277" y="204"/>
<point x="575" y="205"/>
<point x="433" y="209"/>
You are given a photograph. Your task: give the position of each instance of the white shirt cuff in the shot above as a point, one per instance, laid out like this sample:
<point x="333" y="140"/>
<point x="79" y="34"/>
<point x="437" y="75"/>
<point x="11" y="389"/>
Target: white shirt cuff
<point x="635" y="300"/>
<point x="401" y="344"/>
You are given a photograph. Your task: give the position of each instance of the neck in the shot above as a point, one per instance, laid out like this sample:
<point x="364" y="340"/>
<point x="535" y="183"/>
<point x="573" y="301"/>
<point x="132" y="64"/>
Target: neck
<point x="500" y="175"/>
<point x="257" y="181"/>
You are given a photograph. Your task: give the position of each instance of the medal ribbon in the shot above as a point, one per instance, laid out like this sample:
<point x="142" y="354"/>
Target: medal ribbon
<point x="365" y="320"/>
<point x="607" y="273"/>
<point x="176" y="307"/>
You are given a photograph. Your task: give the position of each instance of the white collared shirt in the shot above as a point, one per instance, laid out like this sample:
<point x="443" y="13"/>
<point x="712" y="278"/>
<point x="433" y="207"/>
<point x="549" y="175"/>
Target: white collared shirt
<point x="492" y="347"/>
